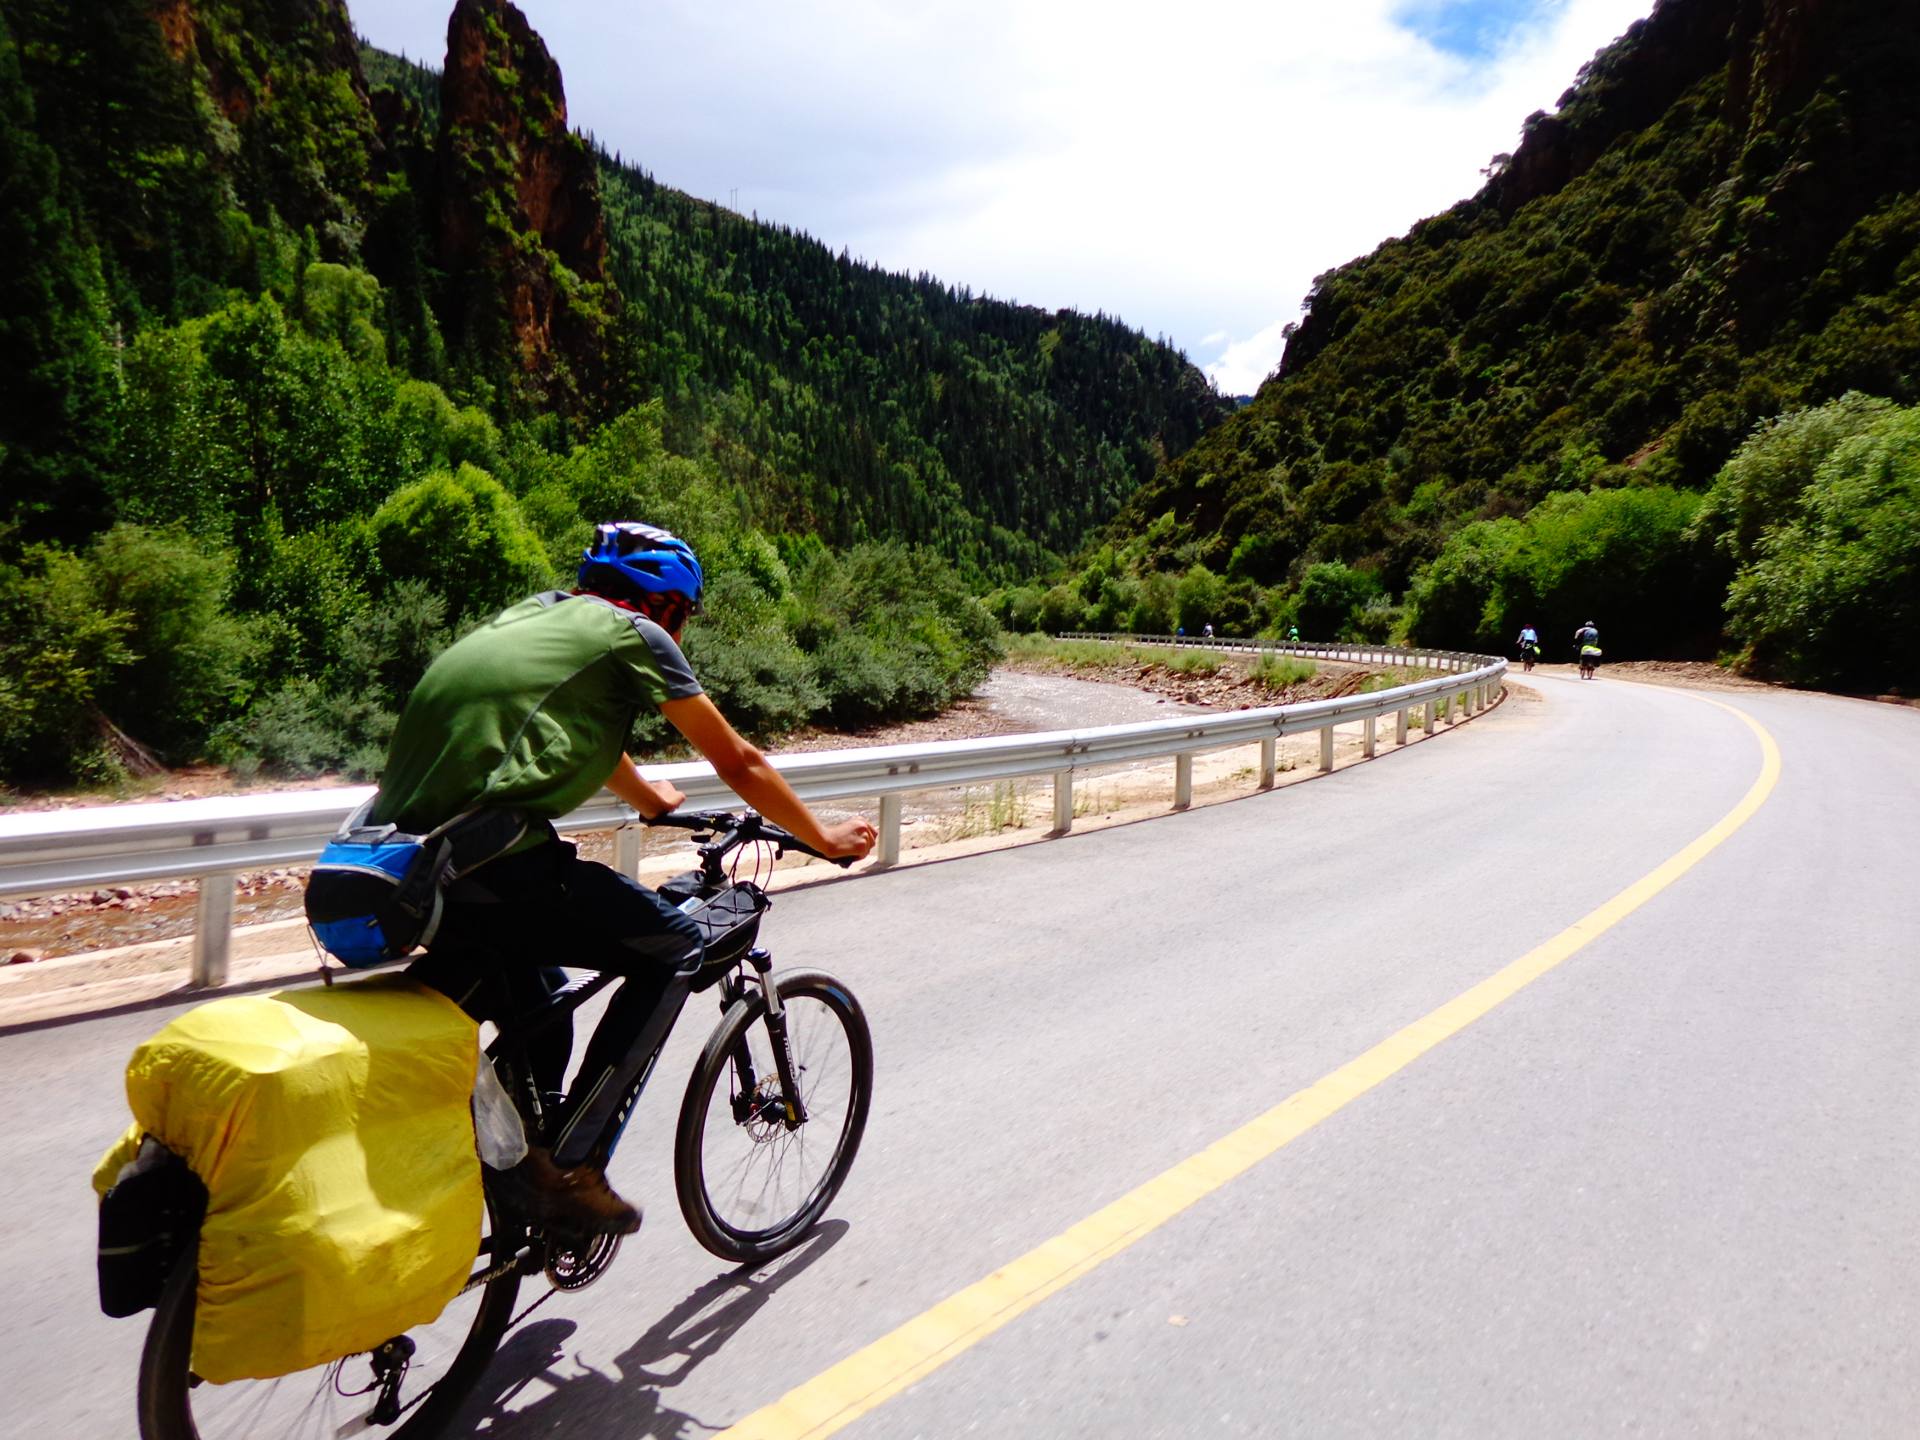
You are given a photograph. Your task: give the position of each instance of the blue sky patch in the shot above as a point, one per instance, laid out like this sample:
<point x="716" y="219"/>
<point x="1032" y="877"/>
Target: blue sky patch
<point x="1473" y="29"/>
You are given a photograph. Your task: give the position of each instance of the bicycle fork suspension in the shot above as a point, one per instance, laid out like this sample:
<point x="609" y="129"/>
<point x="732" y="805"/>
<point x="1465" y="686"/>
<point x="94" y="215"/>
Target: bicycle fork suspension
<point x="795" y="1108"/>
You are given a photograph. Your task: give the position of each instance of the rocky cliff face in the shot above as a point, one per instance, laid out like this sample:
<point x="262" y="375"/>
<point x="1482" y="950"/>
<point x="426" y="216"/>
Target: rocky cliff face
<point x="522" y="237"/>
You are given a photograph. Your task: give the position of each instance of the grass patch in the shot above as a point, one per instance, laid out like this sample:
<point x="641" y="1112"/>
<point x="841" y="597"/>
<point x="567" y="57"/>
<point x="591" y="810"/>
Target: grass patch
<point x="1091" y="800"/>
<point x="988" y="811"/>
<point x="1282" y="672"/>
<point x="1390" y="680"/>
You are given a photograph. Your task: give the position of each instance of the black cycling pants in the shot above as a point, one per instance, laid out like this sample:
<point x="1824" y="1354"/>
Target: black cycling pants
<point x="546" y="907"/>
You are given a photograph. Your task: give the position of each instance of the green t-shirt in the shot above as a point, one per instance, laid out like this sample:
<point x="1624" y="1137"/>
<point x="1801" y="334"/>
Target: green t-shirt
<point x="532" y="711"/>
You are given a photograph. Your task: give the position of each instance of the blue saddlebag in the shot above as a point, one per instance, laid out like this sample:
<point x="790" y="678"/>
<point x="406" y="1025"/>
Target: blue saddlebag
<point x="376" y="892"/>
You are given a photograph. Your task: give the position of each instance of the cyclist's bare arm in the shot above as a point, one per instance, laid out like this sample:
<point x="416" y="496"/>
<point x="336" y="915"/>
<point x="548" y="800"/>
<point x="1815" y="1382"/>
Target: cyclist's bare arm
<point x="745" y="771"/>
<point x="649" y="797"/>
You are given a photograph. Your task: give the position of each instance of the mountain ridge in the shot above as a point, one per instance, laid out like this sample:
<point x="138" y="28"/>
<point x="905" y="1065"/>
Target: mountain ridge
<point x="1719" y="223"/>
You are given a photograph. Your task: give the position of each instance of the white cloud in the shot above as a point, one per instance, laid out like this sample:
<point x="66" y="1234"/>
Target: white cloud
<point x="1187" y="168"/>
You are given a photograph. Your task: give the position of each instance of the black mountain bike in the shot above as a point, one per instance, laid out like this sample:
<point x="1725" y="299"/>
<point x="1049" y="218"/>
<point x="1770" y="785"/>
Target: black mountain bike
<point x="769" y="1126"/>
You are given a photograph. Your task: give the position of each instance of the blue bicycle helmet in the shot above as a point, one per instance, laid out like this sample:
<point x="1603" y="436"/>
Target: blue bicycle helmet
<point x="628" y="559"/>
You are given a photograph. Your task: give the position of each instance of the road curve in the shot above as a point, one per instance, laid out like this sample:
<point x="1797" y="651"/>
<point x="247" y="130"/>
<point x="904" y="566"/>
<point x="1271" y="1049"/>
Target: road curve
<point x="1667" y="1188"/>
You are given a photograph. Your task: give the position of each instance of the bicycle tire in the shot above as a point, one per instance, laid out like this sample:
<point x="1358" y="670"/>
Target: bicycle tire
<point x="798" y="991"/>
<point x="164" y="1395"/>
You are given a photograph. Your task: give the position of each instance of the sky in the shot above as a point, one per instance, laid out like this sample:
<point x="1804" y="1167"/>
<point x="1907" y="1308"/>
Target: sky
<point x="1188" y="168"/>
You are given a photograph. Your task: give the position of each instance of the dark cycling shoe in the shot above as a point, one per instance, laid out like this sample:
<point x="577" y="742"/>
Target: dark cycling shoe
<point x="579" y="1200"/>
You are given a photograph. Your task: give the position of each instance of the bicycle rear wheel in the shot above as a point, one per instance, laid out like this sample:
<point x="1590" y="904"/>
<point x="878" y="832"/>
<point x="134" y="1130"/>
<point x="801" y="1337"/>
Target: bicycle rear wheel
<point x="336" y="1399"/>
<point x="750" y="1187"/>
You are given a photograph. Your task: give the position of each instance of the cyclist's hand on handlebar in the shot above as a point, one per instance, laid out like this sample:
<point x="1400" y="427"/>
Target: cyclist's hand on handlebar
<point x="671" y="798"/>
<point x="850" y="839"/>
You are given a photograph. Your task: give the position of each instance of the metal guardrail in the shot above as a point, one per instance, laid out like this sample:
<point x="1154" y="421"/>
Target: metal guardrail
<point x="62" y="850"/>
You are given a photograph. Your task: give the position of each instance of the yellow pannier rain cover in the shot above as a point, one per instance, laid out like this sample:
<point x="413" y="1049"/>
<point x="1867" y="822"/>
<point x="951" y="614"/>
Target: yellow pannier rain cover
<point x="334" y="1132"/>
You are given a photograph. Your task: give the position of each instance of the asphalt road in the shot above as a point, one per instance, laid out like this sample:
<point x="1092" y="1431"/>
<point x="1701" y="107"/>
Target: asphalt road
<point x="1668" y="1188"/>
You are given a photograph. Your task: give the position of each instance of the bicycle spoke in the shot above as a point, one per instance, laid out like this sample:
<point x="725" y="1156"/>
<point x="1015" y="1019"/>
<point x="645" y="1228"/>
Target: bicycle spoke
<point x="760" y="1173"/>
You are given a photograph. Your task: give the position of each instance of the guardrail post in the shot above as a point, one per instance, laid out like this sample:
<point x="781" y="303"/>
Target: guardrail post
<point x="1326" y="748"/>
<point x="889" y="846"/>
<point x="1454" y="706"/>
<point x="1400" y="728"/>
<point x="1062" y="801"/>
<point x="1367" y="738"/>
<point x="626" y="851"/>
<point x="1268" y="760"/>
<point x="213" y="930"/>
<point x="1183" y="780"/>
<point x="1427" y="716"/>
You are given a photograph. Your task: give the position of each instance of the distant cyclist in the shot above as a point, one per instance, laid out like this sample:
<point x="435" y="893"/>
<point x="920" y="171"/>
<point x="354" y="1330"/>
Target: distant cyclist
<point x="1529" y="645"/>
<point x="1293" y="634"/>
<point x="1586" y="640"/>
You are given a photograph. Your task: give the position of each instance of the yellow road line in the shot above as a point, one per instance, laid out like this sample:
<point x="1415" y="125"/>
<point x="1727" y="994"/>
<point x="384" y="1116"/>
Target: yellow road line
<point x="871" y="1376"/>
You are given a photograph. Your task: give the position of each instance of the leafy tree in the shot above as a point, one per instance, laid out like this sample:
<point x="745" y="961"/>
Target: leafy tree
<point x="1331" y="598"/>
<point x="1630" y="560"/>
<point x="59" y="651"/>
<point x="1061" y="609"/>
<point x="190" y="663"/>
<point x="461" y="534"/>
<point x="1153" y="609"/>
<point x="56" y="381"/>
<point x="1835" y="588"/>
<point x="1196" y="600"/>
<point x="1761" y="485"/>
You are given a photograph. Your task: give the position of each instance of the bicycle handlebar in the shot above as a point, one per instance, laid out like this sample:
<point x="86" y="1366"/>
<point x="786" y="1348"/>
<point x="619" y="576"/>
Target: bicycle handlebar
<point x="742" y="829"/>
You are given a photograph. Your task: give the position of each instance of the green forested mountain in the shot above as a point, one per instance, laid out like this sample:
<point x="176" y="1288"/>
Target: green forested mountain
<point x="309" y="356"/>
<point x="1515" y="411"/>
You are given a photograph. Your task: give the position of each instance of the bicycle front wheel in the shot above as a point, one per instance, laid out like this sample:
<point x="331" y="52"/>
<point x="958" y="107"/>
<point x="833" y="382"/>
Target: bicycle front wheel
<point x="446" y="1359"/>
<point x="751" y="1186"/>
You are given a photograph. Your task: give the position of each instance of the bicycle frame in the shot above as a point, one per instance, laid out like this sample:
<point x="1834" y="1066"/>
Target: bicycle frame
<point x="598" y="1119"/>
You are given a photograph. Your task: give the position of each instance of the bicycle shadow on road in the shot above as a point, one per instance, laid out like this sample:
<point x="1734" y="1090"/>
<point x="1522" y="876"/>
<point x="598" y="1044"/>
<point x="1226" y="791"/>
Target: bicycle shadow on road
<point x="625" y="1400"/>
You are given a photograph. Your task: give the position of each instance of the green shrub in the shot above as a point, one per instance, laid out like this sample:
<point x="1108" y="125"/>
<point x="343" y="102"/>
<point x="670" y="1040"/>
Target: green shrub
<point x="1760" y="487"/>
<point x="1282" y="672"/>
<point x="342" y="722"/>
<point x="1196" y="599"/>
<point x="748" y="661"/>
<point x="1114" y="605"/>
<point x="1022" y="615"/>
<point x="191" y="664"/>
<point x="1062" y="609"/>
<point x="59" y="652"/>
<point x="759" y="678"/>
<point x="1450" y="598"/>
<point x="1153" y="610"/>
<point x="304" y="729"/>
<point x="858" y="681"/>
<point x="1835" y="593"/>
<point x="460" y="533"/>
<point x="1330" y="598"/>
<point x="1629" y="560"/>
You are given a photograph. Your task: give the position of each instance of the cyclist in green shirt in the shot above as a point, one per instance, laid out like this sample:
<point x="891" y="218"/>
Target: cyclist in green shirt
<point x="531" y="712"/>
